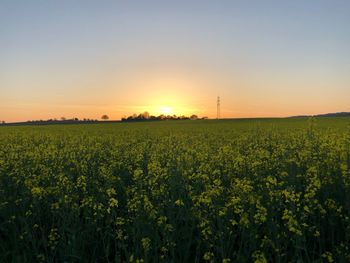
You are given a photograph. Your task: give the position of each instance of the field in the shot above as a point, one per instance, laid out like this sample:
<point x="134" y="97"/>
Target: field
<point x="268" y="190"/>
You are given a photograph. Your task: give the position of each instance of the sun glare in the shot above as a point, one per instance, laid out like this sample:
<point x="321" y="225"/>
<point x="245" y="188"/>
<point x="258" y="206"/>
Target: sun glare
<point x="166" y="110"/>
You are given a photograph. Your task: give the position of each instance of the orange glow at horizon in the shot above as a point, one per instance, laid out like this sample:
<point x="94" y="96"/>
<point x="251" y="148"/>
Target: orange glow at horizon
<point x="172" y="93"/>
<point x="161" y="93"/>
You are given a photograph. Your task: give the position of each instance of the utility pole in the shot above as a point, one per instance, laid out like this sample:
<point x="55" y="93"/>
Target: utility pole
<point x="218" y="113"/>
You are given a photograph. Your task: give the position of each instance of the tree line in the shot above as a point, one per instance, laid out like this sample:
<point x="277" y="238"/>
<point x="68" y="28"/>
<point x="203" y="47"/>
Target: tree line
<point x="132" y="118"/>
<point x="147" y="117"/>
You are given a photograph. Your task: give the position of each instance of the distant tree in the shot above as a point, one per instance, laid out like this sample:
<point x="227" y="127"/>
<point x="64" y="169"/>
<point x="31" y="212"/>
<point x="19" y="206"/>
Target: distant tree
<point x="146" y="115"/>
<point x="194" y="117"/>
<point x="104" y="117"/>
<point x="63" y="118"/>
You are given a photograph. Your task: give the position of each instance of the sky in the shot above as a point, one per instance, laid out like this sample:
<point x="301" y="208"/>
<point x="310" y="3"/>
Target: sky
<point x="84" y="58"/>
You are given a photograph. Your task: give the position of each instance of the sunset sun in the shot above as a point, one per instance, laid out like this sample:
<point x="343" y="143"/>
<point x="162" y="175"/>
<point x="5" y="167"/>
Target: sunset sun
<point x="166" y="110"/>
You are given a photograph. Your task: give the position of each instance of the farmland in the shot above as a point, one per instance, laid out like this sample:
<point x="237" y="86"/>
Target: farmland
<point x="259" y="190"/>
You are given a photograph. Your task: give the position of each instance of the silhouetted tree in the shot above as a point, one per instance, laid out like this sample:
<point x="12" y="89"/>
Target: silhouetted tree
<point x="104" y="117"/>
<point x="145" y="115"/>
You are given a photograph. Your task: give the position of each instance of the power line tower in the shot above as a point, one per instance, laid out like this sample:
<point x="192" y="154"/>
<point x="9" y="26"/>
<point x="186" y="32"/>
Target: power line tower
<point x="218" y="112"/>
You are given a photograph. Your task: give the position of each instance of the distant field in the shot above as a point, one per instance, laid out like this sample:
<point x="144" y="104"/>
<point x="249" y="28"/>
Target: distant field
<point x="249" y="190"/>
